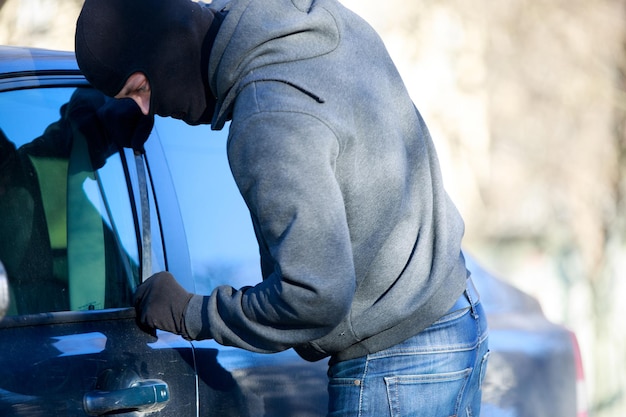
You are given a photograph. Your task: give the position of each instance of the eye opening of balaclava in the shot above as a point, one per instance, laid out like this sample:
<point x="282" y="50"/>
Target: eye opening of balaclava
<point x="165" y="40"/>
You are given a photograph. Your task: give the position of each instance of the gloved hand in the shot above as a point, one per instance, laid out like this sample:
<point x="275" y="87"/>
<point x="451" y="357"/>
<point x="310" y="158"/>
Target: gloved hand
<point x="161" y="303"/>
<point x="125" y="124"/>
<point x="107" y="124"/>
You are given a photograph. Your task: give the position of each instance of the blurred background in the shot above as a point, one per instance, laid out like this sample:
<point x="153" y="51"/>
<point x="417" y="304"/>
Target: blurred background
<point x="526" y="102"/>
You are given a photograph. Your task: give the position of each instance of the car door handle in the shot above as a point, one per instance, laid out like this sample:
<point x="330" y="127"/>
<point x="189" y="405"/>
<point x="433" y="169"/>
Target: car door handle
<point x="147" y="395"/>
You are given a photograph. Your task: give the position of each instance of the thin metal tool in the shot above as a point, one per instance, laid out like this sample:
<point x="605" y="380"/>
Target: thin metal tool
<point x="146" y="233"/>
<point x="4" y="292"/>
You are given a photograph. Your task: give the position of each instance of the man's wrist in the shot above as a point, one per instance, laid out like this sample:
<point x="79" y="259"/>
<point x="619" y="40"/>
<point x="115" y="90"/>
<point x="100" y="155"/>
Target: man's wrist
<point x="193" y="316"/>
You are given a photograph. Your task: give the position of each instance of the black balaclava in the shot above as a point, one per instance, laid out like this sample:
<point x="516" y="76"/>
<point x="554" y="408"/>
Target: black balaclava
<point x="167" y="40"/>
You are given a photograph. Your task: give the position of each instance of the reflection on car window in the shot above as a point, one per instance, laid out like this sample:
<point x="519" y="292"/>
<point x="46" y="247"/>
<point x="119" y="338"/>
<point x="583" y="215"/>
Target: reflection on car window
<point x="67" y="241"/>
<point x="221" y="239"/>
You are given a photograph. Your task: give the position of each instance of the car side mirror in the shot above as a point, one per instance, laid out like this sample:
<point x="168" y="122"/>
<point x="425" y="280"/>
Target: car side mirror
<point x="4" y="292"/>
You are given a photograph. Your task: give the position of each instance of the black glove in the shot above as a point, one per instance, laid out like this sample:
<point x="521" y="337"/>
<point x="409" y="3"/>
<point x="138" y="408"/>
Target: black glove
<point x="125" y="124"/>
<point x="107" y="124"/>
<point x="161" y="303"/>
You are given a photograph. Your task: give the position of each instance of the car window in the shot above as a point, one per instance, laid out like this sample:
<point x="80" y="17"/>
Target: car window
<point x="222" y="245"/>
<point x="67" y="233"/>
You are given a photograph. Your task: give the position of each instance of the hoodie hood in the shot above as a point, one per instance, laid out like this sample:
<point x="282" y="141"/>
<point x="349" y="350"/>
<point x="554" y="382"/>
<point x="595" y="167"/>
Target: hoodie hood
<point x="256" y="35"/>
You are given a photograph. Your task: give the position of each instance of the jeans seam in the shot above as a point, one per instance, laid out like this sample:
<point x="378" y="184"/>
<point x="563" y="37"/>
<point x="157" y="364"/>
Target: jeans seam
<point x="459" y="397"/>
<point x="432" y="350"/>
<point x="362" y="386"/>
<point x="392" y="396"/>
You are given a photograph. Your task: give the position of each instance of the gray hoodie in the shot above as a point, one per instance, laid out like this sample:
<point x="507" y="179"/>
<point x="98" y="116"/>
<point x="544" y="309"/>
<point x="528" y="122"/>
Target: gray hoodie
<point x="360" y="245"/>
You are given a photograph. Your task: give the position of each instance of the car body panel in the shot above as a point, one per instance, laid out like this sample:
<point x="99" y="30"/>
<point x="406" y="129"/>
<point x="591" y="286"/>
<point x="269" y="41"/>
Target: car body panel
<point x="48" y="364"/>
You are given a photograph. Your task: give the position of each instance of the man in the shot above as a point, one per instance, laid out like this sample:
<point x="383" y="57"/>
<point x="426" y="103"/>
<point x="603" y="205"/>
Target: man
<point x="360" y="245"/>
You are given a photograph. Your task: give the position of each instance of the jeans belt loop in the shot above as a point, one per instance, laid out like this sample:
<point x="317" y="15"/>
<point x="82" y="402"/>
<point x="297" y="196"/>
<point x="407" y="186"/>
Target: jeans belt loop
<point x="471" y="293"/>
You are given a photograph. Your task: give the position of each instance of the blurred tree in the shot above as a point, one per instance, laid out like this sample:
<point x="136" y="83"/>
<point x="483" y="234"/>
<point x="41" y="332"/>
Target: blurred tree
<point x="39" y="23"/>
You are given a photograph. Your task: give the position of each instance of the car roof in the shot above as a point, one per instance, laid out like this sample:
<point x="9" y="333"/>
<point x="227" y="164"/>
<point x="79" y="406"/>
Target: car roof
<point x="14" y="59"/>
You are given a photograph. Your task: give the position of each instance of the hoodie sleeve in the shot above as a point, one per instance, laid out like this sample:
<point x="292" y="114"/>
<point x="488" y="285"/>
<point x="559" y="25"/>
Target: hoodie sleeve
<point x="284" y="165"/>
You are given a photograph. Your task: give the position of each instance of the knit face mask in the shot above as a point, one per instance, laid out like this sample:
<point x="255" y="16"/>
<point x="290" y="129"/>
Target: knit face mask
<point x="167" y="40"/>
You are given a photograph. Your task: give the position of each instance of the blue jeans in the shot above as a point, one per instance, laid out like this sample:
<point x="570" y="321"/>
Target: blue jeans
<point x="437" y="373"/>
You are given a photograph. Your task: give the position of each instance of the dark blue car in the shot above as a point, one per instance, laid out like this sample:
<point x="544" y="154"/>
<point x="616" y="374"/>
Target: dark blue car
<point x="81" y="224"/>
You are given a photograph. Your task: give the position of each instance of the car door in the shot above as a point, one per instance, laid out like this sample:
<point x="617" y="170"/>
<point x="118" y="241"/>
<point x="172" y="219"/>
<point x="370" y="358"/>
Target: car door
<point x="71" y="241"/>
<point x="223" y="250"/>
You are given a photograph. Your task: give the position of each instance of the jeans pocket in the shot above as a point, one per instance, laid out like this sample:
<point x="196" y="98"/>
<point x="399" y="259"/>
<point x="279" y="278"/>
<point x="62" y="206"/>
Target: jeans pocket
<point x="426" y="395"/>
